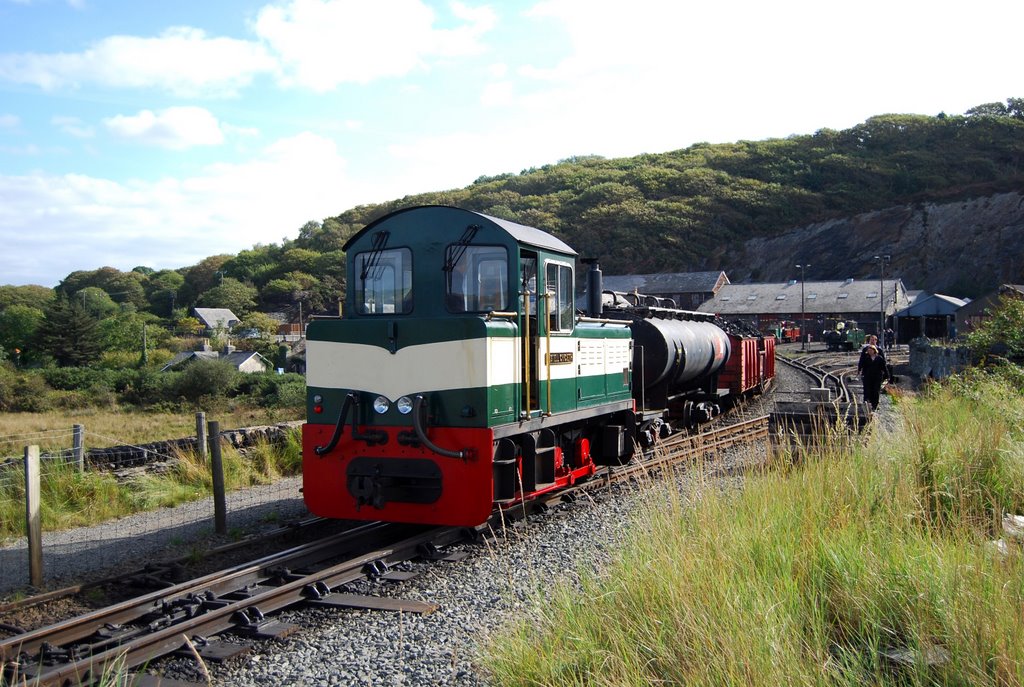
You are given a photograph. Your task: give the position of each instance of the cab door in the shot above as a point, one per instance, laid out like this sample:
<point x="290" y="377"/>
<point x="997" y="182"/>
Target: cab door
<point x="529" y="393"/>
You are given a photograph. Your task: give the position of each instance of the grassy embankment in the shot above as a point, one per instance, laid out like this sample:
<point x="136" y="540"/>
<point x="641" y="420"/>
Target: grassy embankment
<point x="73" y="499"/>
<point x="851" y="565"/>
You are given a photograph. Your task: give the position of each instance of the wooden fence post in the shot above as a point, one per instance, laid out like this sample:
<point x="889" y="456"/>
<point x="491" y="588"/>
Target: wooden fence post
<point x="78" y="446"/>
<point x="201" y="437"/>
<point x="220" y="525"/>
<point x="33" y="523"/>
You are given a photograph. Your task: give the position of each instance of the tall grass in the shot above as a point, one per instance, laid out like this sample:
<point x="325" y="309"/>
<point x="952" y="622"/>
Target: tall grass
<point x="860" y="565"/>
<point x="73" y="499"/>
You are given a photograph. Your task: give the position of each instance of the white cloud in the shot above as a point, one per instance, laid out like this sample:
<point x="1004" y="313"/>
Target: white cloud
<point x="56" y="224"/>
<point x="9" y="121"/>
<point x="73" y="126"/>
<point x="324" y="43"/>
<point x="175" y="128"/>
<point x="315" y="44"/>
<point x="182" y="60"/>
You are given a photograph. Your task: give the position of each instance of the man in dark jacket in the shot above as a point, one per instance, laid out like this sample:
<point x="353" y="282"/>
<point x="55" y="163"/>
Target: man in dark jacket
<point x="870" y="340"/>
<point x="874" y="372"/>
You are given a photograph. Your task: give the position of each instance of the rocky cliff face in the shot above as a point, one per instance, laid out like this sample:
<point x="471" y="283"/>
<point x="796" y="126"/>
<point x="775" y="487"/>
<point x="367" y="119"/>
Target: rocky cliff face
<point x="963" y="248"/>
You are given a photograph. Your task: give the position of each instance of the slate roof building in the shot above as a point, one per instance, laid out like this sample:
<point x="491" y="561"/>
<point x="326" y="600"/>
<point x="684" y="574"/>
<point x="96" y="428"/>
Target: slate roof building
<point x="765" y="305"/>
<point x="216" y="318"/>
<point x="687" y="289"/>
<point x="243" y="361"/>
<point x="974" y="312"/>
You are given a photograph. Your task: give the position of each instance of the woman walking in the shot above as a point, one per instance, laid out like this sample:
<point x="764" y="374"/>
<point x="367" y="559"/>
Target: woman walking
<point x="874" y="372"/>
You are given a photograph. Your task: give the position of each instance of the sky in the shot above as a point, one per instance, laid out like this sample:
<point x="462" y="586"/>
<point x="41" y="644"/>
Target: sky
<point x="160" y="133"/>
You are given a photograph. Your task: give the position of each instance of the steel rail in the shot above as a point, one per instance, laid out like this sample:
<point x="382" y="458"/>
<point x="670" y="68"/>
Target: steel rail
<point x="212" y="587"/>
<point x="163" y="621"/>
<point x="163" y="641"/>
<point x="148" y="571"/>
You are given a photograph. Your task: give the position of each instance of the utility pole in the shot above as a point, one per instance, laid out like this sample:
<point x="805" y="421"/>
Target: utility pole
<point x="803" y="310"/>
<point x="882" y="259"/>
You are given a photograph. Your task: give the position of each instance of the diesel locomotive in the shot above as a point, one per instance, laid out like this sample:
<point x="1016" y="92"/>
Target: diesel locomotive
<point x="462" y="375"/>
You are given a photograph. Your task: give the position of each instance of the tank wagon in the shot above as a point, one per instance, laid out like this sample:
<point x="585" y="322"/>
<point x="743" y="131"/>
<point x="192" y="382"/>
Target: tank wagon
<point x="462" y="375"/>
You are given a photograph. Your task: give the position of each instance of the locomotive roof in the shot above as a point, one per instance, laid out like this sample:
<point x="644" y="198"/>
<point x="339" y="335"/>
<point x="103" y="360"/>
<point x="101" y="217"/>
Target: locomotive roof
<point x="521" y="233"/>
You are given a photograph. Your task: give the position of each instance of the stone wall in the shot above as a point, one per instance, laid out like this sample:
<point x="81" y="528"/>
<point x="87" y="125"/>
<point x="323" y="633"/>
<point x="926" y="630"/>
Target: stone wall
<point x="928" y="361"/>
<point x="120" y="457"/>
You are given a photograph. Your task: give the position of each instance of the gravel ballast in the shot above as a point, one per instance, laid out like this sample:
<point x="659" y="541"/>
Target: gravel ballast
<point x="499" y="583"/>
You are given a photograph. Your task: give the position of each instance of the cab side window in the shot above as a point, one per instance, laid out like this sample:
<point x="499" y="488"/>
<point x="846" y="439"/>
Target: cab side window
<point x="560" y="288"/>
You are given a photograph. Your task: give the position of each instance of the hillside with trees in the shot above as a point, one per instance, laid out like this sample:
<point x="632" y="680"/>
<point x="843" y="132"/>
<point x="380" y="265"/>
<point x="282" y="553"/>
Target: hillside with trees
<point x="685" y="210"/>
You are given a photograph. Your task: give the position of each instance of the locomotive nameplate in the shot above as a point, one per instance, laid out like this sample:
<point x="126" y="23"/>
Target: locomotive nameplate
<point x="560" y="358"/>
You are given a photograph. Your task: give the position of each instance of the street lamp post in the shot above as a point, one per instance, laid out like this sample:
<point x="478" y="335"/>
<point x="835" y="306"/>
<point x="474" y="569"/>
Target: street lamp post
<point x="803" y="310"/>
<point x="882" y="259"/>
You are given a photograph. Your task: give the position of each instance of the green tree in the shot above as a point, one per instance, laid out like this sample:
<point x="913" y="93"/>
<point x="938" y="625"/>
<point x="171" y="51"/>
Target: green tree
<point x="162" y="291"/>
<point x="203" y="276"/>
<point x="122" y="287"/>
<point x="19" y="325"/>
<point x="1002" y="332"/>
<point x="231" y="294"/>
<point x="256" y="332"/>
<point x="70" y="334"/>
<point x="95" y="301"/>
<point x="122" y="331"/>
<point x="31" y="295"/>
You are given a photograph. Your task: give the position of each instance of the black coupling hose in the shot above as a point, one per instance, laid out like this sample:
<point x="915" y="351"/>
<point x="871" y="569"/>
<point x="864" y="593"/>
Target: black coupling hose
<point x="350" y="400"/>
<point x="421" y="434"/>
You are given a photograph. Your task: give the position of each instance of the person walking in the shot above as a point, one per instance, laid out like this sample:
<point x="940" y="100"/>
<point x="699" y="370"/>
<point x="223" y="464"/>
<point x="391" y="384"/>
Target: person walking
<point x="874" y="372"/>
<point x="869" y="341"/>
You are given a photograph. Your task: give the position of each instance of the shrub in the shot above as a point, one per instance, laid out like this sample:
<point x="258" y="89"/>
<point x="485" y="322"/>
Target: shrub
<point x="206" y="378"/>
<point x="79" y="378"/>
<point x="24" y="392"/>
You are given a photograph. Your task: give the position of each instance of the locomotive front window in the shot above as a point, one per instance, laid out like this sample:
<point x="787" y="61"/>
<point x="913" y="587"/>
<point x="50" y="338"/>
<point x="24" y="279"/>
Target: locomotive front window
<point x="384" y="282"/>
<point x="477" y="278"/>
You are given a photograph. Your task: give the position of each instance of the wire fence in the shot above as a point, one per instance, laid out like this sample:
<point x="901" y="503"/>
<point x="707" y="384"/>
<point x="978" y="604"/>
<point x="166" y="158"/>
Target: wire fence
<point x="118" y="509"/>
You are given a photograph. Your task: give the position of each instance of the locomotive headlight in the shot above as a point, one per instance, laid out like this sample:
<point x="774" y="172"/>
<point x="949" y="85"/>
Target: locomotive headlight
<point x="381" y="404"/>
<point x="404" y="405"/>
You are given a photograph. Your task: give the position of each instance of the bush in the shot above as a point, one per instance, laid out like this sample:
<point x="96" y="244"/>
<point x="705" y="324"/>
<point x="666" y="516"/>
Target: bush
<point x="207" y="378"/>
<point x="24" y="392"/>
<point x="272" y="390"/>
<point x="79" y="378"/>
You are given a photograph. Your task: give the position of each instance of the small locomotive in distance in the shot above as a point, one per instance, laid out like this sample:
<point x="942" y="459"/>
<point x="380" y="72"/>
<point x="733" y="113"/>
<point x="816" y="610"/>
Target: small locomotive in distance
<point x="843" y="335"/>
<point x="462" y="376"/>
<point x="786" y="331"/>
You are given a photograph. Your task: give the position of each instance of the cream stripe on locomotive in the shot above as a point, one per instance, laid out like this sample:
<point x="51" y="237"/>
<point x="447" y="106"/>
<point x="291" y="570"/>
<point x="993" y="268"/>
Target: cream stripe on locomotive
<point x="438" y="366"/>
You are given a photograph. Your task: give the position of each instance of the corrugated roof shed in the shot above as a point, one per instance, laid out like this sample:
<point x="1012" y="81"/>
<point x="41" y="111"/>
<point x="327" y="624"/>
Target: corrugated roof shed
<point x="933" y="304"/>
<point x="819" y="297"/>
<point x="667" y="282"/>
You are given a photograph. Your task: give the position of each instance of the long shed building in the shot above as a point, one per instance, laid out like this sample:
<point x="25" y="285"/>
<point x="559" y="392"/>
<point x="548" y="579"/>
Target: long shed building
<point x="766" y="305"/>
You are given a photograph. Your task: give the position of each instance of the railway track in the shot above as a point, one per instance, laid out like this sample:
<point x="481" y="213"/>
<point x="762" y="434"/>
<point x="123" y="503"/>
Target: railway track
<point x="830" y="399"/>
<point x="242" y="598"/>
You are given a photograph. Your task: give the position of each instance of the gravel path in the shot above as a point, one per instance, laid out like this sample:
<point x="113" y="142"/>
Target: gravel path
<point x="497" y="584"/>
